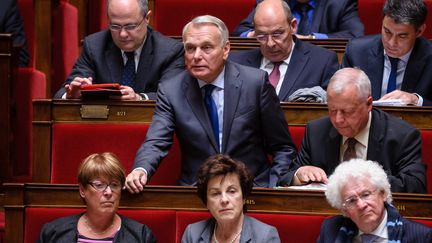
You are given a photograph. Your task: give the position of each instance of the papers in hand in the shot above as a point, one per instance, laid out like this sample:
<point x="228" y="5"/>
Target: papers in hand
<point x="392" y="102"/>
<point x="308" y="187"/>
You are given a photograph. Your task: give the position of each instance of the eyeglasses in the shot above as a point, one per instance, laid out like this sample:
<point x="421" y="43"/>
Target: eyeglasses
<point x="364" y="196"/>
<point x="276" y="36"/>
<point x="127" y="27"/>
<point x="101" y="186"/>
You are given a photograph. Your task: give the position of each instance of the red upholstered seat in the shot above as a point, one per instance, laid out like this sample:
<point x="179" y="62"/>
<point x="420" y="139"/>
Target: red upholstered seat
<point x="71" y="143"/>
<point x="427" y="156"/>
<point x="297" y="133"/>
<point x="30" y="84"/>
<point x="65" y="42"/>
<point x="171" y="16"/>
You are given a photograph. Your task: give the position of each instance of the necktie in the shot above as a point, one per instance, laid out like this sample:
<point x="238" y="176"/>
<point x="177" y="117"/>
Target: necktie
<point x="368" y="238"/>
<point x="393" y="74"/>
<point x="303" y="27"/>
<point x="350" y="152"/>
<point x="275" y="74"/>
<point x="128" y="75"/>
<point x="212" y="110"/>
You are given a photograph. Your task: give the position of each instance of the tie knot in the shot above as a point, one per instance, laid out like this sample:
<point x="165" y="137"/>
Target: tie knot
<point x="394" y="61"/>
<point x="351" y="142"/>
<point x="130" y="54"/>
<point x="368" y="238"/>
<point x="276" y="64"/>
<point x="209" y="89"/>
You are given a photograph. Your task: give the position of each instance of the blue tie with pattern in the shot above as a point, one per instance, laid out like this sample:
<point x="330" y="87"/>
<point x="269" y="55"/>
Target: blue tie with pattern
<point x="391" y="85"/>
<point x="303" y="27"/>
<point x="212" y="110"/>
<point x="128" y="75"/>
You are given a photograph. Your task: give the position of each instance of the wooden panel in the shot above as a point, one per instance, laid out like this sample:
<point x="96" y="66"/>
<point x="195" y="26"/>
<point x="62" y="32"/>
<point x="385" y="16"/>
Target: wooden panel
<point x="43" y="35"/>
<point x="20" y="196"/>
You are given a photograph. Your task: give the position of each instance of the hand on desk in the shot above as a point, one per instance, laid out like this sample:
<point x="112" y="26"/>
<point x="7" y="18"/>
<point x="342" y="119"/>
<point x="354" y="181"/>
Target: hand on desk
<point x="73" y="90"/>
<point x="136" y="181"/>
<point x="127" y="94"/>
<point x="306" y="174"/>
<point x="405" y="97"/>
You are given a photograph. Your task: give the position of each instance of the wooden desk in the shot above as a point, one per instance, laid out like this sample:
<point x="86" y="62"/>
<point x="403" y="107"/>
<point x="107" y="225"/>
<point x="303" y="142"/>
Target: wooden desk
<point x="21" y="196"/>
<point x="48" y="112"/>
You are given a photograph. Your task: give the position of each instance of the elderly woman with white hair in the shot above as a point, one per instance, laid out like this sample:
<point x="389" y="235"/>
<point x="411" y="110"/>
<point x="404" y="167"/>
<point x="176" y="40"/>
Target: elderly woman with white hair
<point x="361" y="191"/>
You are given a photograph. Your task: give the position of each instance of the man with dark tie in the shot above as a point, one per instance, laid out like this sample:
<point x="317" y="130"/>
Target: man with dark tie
<point x="292" y="64"/>
<point x="399" y="60"/>
<point x="129" y="53"/>
<point x="319" y="19"/>
<point x="215" y="107"/>
<point x="360" y="190"/>
<point x="354" y="129"/>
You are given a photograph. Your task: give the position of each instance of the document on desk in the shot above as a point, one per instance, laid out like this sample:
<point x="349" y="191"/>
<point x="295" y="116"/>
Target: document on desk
<point x="392" y="102"/>
<point x="307" y="187"/>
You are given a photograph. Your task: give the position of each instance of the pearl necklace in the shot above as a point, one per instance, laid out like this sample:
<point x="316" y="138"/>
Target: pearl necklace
<point x="232" y="241"/>
<point x="89" y="227"/>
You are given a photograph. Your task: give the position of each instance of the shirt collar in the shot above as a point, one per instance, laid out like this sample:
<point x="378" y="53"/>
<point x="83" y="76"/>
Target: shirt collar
<point x="266" y="63"/>
<point x="363" y="136"/>
<point x="218" y="82"/>
<point x="381" y="230"/>
<point x="137" y="51"/>
<point x="403" y="58"/>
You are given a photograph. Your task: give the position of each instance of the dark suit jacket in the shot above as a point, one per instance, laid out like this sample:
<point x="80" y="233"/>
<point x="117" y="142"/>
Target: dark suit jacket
<point x="64" y="230"/>
<point x="336" y="18"/>
<point x="310" y="66"/>
<point x="253" y="126"/>
<point x="367" y="53"/>
<point x="253" y="230"/>
<point x="101" y="59"/>
<point x="11" y="22"/>
<point x="413" y="232"/>
<point x="393" y="143"/>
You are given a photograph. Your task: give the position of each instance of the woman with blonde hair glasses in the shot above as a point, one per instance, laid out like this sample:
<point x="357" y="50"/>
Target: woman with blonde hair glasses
<point x="101" y="178"/>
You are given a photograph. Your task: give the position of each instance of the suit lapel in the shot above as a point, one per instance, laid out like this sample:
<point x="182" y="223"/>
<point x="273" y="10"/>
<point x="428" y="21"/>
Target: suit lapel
<point x="414" y="68"/>
<point x="297" y="63"/>
<point x="114" y="62"/>
<point x="376" y="137"/>
<point x="246" y="234"/>
<point x="232" y="87"/>
<point x="144" y="65"/>
<point x="332" y="148"/>
<point x="376" y="67"/>
<point x="195" y="99"/>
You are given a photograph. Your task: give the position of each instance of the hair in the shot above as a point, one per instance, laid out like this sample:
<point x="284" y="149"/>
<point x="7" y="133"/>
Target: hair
<point x="143" y="5"/>
<point x="350" y="76"/>
<point x="356" y="169"/>
<point x="406" y="11"/>
<point x="222" y="165"/>
<point x="209" y="20"/>
<point x="100" y="165"/>
<point x="285" y="8"/>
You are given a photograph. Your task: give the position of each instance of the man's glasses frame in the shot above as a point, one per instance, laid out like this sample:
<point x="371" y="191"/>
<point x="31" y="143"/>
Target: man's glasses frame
<point x="126" y="27"/>
<point x="365" y="196"/>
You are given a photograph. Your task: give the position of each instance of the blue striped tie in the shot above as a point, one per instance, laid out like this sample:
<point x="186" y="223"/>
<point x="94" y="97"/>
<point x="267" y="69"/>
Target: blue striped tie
<point x="212" y="110"/>
<point x="128" y="75"/>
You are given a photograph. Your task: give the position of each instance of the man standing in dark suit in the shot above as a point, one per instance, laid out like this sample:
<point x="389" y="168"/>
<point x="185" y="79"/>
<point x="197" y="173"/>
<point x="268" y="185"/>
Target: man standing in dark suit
<point x="300" y="64"/>
<point x="215" y="107"/>
<point x="130" y="53"/>
<point x="356" y="130"/>
<point x="317" y="19"/>
<point x="11" y="22"/>
<point x="360" y="190"/>
<point x="399" y="60"/>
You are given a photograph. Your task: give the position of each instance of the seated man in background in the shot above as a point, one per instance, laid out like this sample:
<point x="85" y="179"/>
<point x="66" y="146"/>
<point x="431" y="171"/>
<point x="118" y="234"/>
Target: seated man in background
<point x="361" y="191"/>
<point x="399" y="60"/>
<point x="11" y="22"/>
<point x="354" y="129"/>
<point x="222" y="184"/>
<point x="130" y="53"/>
<point x="215" y="107"/>
<point x="291" y="63"/>
<point x="317" y="19"/>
